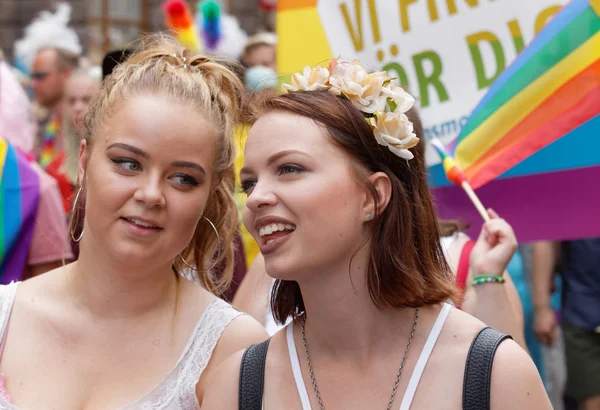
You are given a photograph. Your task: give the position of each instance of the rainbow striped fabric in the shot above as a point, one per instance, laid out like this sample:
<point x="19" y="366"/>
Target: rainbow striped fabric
<point x="550" y="92"/>
<point x="49" y="153"/>
<point x="19" y="199"/>
<point x="535" y="137"/>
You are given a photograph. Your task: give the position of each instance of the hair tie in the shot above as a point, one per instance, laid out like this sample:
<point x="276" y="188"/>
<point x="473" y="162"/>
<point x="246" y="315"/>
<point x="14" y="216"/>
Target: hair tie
<point x="180" y="58"/>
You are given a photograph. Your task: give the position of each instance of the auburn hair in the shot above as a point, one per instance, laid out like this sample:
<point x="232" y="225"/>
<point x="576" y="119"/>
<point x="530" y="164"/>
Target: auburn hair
<point x="448" y="227"/>
<point x="160" y="65"/>
<point x="407" y="267"/>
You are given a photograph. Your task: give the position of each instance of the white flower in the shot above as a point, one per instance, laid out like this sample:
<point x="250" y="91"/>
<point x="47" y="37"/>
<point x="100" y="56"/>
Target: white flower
<point x="395" y="131"/>
<point x="310" y="80"/>
<point x="336" y="67"/>
<point x="404" y="100"/>
<point x="360" y="87"/>
<point x="367" y="93"/>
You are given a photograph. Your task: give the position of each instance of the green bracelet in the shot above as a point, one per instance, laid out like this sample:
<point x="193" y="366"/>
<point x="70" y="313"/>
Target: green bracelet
<point x="479" y="279"/>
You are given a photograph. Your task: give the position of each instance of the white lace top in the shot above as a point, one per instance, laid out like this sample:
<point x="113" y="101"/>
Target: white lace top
<point x="177" y="391"/>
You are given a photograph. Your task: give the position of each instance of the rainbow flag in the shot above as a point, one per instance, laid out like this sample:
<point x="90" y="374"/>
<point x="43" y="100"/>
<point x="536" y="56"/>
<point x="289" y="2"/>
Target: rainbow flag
<point x="19" y="199"/>
<point x="550" y="92"/>
<point x="535" y="136"/>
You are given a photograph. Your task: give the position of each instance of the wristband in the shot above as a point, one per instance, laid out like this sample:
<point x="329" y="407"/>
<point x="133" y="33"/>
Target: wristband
<point x="480" y="279"/>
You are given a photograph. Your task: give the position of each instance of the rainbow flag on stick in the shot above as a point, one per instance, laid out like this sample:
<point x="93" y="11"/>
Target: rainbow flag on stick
<point x="19" y="199"/>
<point x="549" y="92"/>
<point x="535" y="136"/>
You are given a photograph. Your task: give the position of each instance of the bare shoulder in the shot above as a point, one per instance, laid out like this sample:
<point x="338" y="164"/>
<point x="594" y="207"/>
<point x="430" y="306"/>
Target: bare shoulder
<point x="222" y="389"/>
<point x="516" y="383"/>
<point x="239" y="333"/>
<point x="453" y="345"/>
<point x="47" y="283"/>
<point x="461" y="327"/>
<point x="44" y="293"/>
<point x="242" y="332"/>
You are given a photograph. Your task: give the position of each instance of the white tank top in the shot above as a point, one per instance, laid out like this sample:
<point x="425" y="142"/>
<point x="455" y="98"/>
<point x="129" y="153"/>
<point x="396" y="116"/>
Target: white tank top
<point x="177" y="390"/>
<point x="415" y="378"/>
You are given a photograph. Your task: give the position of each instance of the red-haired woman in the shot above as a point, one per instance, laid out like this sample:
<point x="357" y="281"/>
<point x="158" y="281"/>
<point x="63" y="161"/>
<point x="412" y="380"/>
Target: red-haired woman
<point x="340" y="207"/>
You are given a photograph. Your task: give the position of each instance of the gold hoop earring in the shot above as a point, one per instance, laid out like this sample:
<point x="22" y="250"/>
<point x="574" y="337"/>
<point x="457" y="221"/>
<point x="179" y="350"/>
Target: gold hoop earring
<point x="75" y="207"/>
<point x="218" y="254"/>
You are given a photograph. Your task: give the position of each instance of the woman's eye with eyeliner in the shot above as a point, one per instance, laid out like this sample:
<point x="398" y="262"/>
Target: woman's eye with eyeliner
<point x="185" y="180"/>
<point x="247" y="185"/>
<point x="290" y="169"/>
<point x="127" y="164"/>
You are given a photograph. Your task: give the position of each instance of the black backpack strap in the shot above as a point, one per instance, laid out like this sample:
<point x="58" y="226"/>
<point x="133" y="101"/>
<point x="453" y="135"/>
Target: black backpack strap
<point x="252" y="376"/>
<point x="478" y="371"/>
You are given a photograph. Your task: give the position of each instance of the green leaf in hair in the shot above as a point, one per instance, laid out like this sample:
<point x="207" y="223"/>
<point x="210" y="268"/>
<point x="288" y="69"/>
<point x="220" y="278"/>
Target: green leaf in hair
<point x="392" y="104"/>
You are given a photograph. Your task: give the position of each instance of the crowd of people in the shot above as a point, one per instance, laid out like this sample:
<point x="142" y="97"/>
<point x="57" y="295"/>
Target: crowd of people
<point x="188" y="236"/>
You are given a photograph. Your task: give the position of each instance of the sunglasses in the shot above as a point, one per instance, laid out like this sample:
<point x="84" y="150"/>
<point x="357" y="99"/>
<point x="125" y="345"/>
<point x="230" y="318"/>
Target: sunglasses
<point x="39" y="75"/>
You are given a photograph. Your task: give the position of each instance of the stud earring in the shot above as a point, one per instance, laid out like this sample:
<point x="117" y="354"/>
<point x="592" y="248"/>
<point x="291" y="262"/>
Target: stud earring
<point x="369" y="217"/>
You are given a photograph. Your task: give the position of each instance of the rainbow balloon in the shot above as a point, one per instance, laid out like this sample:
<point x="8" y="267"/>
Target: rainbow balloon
<point x="551" y="92"/>
<point x="180" y="20"/>
<point x="19" y="198"/>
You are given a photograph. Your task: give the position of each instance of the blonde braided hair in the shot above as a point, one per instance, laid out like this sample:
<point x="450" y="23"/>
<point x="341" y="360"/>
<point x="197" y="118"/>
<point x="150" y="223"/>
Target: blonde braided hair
<point x="161" y="65"/>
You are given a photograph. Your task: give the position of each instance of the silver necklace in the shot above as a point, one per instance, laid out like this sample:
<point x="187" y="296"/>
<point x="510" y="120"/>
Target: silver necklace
<point x="396" y="382"/>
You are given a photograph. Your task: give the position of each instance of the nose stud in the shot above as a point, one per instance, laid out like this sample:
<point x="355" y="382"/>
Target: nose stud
<point x="369" y="217"/>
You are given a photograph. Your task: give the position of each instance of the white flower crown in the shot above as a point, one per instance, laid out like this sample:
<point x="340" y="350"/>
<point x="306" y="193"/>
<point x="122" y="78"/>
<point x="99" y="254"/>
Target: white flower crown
<point x="374" y="93"/>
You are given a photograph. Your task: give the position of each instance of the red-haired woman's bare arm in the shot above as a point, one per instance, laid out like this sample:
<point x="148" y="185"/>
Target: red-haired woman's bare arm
<point x="223" y="388"/>
<point x="516" y="383"/>
<point x="242" y="332"/>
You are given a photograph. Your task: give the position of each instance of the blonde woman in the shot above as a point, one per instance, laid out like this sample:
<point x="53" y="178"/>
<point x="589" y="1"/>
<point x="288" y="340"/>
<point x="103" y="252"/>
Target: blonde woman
<point x="121" y="327"/>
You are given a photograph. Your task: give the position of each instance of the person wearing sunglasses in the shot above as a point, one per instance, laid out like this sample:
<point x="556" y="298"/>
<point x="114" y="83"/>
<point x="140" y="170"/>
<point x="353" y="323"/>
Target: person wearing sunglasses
<point x="50" y="72"/>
